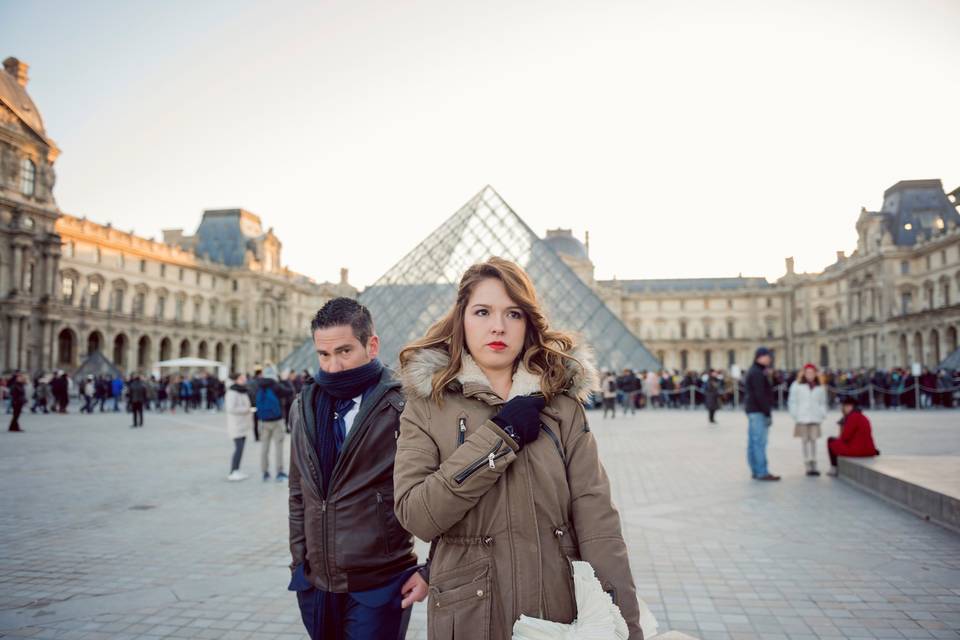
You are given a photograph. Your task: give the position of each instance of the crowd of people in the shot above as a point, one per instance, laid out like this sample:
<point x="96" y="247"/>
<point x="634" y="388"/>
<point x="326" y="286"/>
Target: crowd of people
<point x="713" y="389"/>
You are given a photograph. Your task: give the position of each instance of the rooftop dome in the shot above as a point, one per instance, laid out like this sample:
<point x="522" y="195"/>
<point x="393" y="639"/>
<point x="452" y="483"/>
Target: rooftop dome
<point x="13" y="93"/>
<point x="563" y="242"/>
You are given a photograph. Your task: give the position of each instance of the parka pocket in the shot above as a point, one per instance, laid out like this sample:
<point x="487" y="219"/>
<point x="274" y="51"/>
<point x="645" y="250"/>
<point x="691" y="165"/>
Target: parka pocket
<point x="461" y="603"/>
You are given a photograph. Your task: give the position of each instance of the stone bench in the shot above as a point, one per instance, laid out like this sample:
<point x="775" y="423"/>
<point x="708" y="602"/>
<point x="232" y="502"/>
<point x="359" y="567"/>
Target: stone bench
<point x="929" y="486"/>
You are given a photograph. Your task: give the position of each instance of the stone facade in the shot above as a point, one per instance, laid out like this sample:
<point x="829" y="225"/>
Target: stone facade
<point x="894" y="302"/>
<point x="29" y="245"/>
<point x="141" y="301"/>
<point x="71" y="286"/>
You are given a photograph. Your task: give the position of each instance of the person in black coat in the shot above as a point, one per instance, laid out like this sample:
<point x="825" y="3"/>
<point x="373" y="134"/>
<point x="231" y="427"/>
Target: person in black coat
<point x="711" y="396"/>
<point x="759" y="405"/>
<point x="137" y="394"/>
<point x="18" y="398"/>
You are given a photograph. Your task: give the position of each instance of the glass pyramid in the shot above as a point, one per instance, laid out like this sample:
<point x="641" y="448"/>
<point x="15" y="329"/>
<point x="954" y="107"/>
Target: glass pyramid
<point x="420" y="288"/>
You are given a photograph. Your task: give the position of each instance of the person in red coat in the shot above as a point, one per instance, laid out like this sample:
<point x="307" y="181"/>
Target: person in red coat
<point x="856" y="436"/>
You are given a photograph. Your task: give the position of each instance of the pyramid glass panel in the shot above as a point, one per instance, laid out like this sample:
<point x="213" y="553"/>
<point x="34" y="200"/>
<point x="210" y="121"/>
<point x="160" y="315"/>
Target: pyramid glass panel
<point x="422" y="286"/>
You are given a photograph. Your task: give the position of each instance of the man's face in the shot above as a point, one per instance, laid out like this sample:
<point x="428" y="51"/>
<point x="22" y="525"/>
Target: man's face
<point x="339" y="350"/>
<point x="765" y="360"/>
<point x="846" y="408"/>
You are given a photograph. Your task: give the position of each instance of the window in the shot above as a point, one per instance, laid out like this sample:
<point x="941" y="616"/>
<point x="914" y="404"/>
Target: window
<point x="28" y="176"/>
<point x="234" y="285"/>
<point x="178" y="310"/>
<point x="706" y="331"/>
<point x="769" y="303"/>
<point x="66" y="289"/>
<point x="118" y="300"/>
<point x="163" y="271"/>
<point x="731" y="358"/>
<point x="196" y="312"/>
<point x="730" y="329"/>
<point x="28" y="279"/>
<point x="729" y="304"/>
<point x="824" y="356"/>
<point x="97" y="255"/>
<point x="180" y="274"/>
<point x="683" y="330"/>
<point x="143" y="266"/>
<point x="233" y="317"/>
<point x="138" y="303"/>
<point x="122" y="261"/>
<point x="822" y="319"/>
<point x="71" y="249"/>
<point x="769" y="329"/>
<point x="708" y="359"/>
<point x="94" y="295"/>
<point x="213" y="313"/>
<point x="928" y="262"/>
<point x="198" y="277"/>
<point x="904" y="267"/>
<point x="906" y="298"/>
<point x="161" y="307"/>
<point x="683" y="360"/>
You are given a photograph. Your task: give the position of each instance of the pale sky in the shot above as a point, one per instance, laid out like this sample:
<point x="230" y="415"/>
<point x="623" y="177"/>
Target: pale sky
<point x="691" y="139"/>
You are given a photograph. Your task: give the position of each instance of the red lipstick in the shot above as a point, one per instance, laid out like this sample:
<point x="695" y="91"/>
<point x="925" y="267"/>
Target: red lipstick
<point x="497" y="346"/>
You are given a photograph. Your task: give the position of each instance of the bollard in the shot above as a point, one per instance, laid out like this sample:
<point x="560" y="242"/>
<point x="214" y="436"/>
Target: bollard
<point x="693" y="398"/>
<point x="736" y="396"/>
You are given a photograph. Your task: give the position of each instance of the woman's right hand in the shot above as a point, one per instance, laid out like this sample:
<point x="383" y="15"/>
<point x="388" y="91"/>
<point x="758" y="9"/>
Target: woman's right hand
<point x="520" y="418"/>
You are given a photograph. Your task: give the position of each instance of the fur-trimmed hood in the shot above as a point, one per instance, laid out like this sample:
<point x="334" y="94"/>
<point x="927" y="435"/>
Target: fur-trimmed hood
<point x="417" y="375"/>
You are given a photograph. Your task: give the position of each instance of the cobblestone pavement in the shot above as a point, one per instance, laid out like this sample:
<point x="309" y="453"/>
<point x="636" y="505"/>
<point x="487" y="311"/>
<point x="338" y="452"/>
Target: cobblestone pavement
<point x="110" y="532"/>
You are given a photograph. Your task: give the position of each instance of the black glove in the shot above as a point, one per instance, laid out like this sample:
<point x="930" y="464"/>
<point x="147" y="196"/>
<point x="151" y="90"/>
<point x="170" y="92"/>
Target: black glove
<point x="520" y="419"/>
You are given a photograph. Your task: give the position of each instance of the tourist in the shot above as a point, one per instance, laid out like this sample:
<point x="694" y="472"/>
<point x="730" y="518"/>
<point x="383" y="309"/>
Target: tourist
<point x="60" y="388"/>
<point x="711" y="396"/>
<point x="807" y="404"/>
<point x="758" y="405"/>
<point x="629" y="385"/>
<point x="239" y="422"/>
<point x="137" y="396"/>
<point x="18" y="398"/>
<point x="88" y="390"/>
<point x="269" y="402"/>
<point x="609" y="390"/>
<point x="856" y="436"/>
<point x="41" y="394"/>
<point x="116" y="391"/>
<point x="354" y="568"/>
<point x="651" y="385"/>
<point x="505" y="507"/>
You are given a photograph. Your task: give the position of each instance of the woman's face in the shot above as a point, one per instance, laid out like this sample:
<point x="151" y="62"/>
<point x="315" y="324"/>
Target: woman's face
<point x="241" y="379"/>
<point x="810" y="375"/>
<point x="494" y="326"/>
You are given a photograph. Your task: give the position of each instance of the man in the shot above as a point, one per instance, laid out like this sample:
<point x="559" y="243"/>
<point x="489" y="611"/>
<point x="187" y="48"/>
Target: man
<point x="758" y="404"/>
<point x="270" y="396"/>
<point x="60" y="388"/>
<point x="137" y="394"/>
<point x="116" y="390"/>
<point x="630" y="385"/>
<point x="18" y="398"/>
<point x="353" y="565"/>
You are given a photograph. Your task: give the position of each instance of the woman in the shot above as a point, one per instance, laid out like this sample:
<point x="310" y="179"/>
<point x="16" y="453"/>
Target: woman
<point x="711" y="396"/>
<point x="497" y="465"/>
<point x="239" y="422"/>
<point x="856" y="436"/>
<point x="807" y="404"/>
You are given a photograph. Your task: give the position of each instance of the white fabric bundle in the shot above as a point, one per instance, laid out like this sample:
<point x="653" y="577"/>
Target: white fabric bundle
<point x="597" y="617"/>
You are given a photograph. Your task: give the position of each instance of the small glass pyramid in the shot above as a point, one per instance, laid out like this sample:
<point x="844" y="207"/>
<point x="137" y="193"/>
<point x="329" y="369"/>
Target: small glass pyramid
<point x="420" y="288"/>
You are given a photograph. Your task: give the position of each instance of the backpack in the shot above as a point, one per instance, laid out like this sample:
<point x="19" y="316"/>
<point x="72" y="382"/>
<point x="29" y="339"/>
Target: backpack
<point x="268" y="405"/>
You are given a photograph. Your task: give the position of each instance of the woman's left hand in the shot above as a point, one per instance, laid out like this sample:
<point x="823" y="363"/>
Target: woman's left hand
<point x="413" y="590"/>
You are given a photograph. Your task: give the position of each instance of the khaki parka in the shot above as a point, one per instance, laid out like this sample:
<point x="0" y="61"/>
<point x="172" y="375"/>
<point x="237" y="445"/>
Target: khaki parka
<point x="505" y="524"/>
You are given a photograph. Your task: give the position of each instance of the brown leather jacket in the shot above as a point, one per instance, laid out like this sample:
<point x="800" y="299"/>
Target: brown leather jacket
<point x="349" y="540"/>
<point x="507" y="524"/>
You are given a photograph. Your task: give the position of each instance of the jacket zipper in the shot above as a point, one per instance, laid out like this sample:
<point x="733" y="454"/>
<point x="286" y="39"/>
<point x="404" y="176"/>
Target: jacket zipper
<point x="383" y="522"/>
<point x="462" y="434"/>
<point x="556" y="442"/>
<point x="487" y="460"/>
<point x="326" y="547"/>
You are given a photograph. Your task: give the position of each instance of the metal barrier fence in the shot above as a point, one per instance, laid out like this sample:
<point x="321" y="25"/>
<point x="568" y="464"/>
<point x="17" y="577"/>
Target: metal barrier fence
<point x="922" y="397"/>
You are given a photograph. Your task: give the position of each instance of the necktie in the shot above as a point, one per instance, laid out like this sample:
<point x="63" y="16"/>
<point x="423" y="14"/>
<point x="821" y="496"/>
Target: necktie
<point x="330" y="442"/>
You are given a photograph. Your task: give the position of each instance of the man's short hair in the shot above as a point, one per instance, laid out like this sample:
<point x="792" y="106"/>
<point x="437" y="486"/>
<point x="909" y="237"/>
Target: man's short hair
<point x="344" y="312"/>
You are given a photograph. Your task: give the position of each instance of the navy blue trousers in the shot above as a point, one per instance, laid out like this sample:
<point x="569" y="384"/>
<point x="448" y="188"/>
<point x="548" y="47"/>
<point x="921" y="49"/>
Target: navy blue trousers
<point x="356" y="616"/>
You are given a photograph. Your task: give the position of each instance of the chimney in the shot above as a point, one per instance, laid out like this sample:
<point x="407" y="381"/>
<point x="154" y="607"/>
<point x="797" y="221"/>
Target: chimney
<point x="790" y="266"/>
<point x="343" y="276"/>
<point x="587" y="243"/>
<point x="17" y="69"/>
<point x="840" y="256"/>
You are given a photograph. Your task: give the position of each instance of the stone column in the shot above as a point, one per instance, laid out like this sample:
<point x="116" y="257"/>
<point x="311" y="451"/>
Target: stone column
<point x="13" y="351"/>
<point x="16" y="273"/>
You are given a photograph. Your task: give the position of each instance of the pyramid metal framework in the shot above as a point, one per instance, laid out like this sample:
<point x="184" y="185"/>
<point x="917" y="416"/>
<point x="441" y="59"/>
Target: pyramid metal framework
<point x="422" y="286"/>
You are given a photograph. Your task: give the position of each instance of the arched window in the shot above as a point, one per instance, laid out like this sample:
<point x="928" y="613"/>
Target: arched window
<point x="66" y="289"/>
<point x="28" y="177"/>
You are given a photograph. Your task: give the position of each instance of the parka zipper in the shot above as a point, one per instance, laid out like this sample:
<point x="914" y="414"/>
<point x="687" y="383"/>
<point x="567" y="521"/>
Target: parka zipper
<point x="462" y="434"/>
<point x="487" y="460"/>
<point x="556" y="441"/>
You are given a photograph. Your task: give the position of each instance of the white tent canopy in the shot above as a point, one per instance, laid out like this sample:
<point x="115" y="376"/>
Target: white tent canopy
<point x="191" y="363"/>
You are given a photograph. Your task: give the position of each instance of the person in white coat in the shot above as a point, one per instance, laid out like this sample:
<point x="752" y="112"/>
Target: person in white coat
<point x="239" y="422"/>
<point x="807" y="404"/>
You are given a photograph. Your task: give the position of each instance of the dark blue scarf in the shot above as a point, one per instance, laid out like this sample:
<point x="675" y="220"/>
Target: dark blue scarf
<point x="337" y="391"/>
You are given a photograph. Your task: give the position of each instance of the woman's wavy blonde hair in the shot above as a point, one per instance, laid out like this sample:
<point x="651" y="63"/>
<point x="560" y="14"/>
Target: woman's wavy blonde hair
<point x="545" y="352"/>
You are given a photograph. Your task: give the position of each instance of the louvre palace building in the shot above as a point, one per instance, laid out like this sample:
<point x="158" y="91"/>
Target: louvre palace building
<point x="71" y="287"/>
